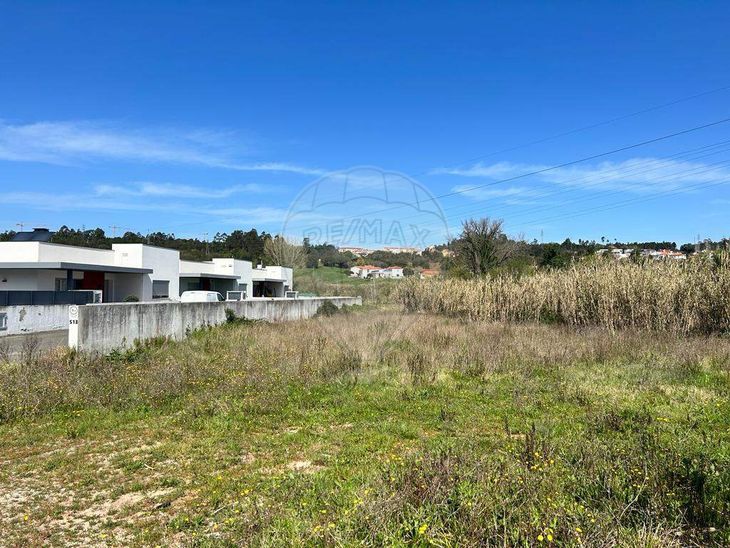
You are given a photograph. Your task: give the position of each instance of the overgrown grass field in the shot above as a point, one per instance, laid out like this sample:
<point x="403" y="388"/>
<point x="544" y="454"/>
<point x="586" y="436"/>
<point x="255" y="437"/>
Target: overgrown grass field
<point x="376" y="428"/>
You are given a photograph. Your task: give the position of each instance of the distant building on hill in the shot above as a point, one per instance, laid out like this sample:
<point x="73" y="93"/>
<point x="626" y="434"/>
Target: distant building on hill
<point x="429" y="273"/>
<point x="364" y="251"/>
<point x="357" y="251"/>
<point x="658" y="255"/>
<point x="370" y="271"/>
<point x="402" y="250"/>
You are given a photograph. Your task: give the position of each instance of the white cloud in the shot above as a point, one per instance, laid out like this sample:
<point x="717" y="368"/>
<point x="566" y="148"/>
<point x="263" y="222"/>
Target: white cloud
<point x="492" y="192"/>
<point x="500" y="170"/>
<point x="75" y="202"/>
<point x="249" y="214"/>
<point x="47" y="201"/>
<point x="634" y="175"/>
<point x="174" y="190"/>
<point x="70" y="143"/>
<point x="275" y="167"/>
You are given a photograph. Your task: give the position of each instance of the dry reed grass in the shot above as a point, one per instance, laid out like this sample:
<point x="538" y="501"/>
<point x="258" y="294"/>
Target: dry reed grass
<point x="679" y="297"/>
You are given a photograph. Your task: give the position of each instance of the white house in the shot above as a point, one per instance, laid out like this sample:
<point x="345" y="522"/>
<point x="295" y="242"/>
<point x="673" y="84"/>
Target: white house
<point x="130" y="270"/>
<point x="220" y="275"/>
<point x="126" y="270"/>
<point x="365" y="271"/>
<point x="369" y="271"/>
<point x="393" y="272"/>
<point x="271" y="281"/>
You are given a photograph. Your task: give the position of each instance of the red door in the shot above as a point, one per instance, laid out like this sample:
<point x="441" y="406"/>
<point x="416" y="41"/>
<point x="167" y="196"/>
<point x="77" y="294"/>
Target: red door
<point x="93" y="280"/>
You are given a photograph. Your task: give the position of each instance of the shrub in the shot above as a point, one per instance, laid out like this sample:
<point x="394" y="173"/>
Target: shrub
<point x="327" y="308"/>
<point x="131" y="299"/>
<point x="231" y="316"/>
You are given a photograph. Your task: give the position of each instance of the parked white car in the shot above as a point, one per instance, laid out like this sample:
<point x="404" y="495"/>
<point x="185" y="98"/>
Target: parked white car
<point x="201" y="297"/>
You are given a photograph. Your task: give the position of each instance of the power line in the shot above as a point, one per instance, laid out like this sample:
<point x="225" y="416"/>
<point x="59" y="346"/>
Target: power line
<point x="549" y="138"/>
<point x="552" y="137"/>
<point x="675" y="176"/>
<point x="691" y="172"/>
<point x="686" y="155"/>
<point x="562" y="165"/>
<point x="584" y="159"/>
<point x="590" y="126"/>
<point x="697" y="170"/>
<point x="607" y="207"/>
<point x="595" y="182"/>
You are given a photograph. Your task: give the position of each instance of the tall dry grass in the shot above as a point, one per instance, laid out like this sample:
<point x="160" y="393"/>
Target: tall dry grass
<point x="260" y="358"/>
<point x="679" y="297"/>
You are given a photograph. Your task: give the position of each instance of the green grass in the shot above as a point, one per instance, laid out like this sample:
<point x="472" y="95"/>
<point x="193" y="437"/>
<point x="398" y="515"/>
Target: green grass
<point x="327" y="280"/>
<point x="329" y="274"/>
<point x="373" y="428"/>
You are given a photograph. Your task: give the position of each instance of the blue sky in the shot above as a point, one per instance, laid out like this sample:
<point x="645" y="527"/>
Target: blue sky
<point x="200" y="117"/>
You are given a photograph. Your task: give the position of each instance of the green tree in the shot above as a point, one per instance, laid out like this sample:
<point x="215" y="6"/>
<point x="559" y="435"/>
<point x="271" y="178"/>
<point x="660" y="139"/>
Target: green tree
<point x="483" y="245"/>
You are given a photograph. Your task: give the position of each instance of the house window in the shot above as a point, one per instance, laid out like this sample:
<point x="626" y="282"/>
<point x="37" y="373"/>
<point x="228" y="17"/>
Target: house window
<point x="160" y="289"/>
<point x="61" y="284"/>
<point x="3" y="321"/>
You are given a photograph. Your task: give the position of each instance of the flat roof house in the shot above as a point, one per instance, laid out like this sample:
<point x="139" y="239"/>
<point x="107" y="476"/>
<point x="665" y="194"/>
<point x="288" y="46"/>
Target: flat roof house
<point x="271" y="281"/>
<point x="220" y="275"/>
<point x="126" y="270"/>
<point x="143" y="271"/>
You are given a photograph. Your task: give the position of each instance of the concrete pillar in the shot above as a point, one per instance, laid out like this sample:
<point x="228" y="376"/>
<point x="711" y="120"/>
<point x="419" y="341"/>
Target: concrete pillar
<point x="73" y="327"/>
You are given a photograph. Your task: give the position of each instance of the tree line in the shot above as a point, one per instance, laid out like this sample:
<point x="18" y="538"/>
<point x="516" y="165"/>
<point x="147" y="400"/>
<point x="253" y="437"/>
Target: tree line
<point x="239" y="244"/>
<point x="482" y="247"/>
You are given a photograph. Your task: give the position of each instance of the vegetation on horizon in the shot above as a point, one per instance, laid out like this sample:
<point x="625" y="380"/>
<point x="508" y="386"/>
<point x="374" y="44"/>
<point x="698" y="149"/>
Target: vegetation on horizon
<point x="454" y="258"/>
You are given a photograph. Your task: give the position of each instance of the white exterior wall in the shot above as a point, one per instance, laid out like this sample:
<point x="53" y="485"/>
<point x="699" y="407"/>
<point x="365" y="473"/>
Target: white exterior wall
<point x="281" y="273"/>
<point x="236" y="267"/>
<point x="124" y="285"/>
<point x="164" y="263"/>
<point x="49" y="253"/>
<point x="191" y="267"/>
<point x="19" y="252"/>
<point x="288" y="276"/>
<point x="34" y="252"/>
<point x="32" y="280"/>
<point x="19" y="280"/>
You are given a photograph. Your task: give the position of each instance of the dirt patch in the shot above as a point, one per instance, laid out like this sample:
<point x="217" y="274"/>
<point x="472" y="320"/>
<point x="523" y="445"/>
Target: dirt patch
<point x="247" y="458"/>
<point x="303" y="466"/>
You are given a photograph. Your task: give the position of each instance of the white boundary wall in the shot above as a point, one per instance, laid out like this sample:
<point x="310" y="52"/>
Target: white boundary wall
<point x="106" y="327"/>
<point x="35" y="318"/>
